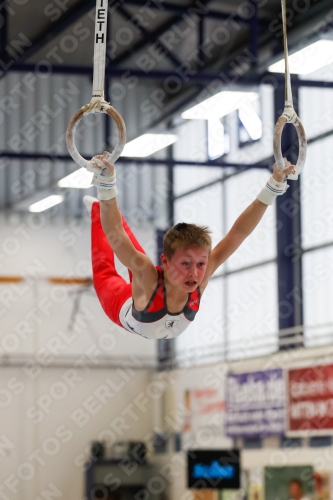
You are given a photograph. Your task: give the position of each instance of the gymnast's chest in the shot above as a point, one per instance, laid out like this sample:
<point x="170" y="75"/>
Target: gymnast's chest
<point x="167" y="327"/>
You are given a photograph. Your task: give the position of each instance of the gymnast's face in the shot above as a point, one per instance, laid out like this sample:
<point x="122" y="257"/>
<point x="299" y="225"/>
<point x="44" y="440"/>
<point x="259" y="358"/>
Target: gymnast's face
<point x="186" y="268"/>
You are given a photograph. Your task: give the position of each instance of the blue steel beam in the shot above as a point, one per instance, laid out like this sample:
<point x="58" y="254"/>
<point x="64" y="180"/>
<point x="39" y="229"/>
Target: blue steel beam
<point x="201" y="38"/>
<point x="144" y="161"/>
<point x="289" y="260"/>
<point x="274" y="79"/>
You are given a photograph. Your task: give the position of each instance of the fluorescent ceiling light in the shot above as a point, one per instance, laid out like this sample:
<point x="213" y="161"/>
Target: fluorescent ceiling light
<point x="147" y="144"/>
<point x="46" y="203"/>
<point x="251" y="121"/>
<point x="307" y="60"/>
<point x="219" y="105"/>
<point x="80" y="179"/>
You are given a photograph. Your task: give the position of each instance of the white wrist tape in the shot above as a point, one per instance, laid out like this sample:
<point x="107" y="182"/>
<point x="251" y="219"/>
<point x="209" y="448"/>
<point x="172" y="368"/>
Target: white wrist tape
<point x="106" y="186"/>
<point x="272" y="189"/>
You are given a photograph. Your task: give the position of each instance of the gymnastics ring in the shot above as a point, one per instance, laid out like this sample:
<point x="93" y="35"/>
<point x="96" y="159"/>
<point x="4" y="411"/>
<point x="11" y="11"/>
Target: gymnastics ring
<point x="93" y="107"/>
<point x="278" y="130"/>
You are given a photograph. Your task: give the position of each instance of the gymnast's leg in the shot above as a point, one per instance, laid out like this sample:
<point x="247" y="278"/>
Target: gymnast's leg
<point x="133" y="240"/>
<point x="112" y="290"/>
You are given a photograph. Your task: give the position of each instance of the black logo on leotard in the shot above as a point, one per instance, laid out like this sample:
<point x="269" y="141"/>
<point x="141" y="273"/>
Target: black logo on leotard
<point x="171" y="323"/>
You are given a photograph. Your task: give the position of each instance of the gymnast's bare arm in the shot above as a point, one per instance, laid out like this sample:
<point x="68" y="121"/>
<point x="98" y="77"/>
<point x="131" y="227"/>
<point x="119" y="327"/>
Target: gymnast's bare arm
<point x="144" y="271"/>
<point x="241" y="229"/>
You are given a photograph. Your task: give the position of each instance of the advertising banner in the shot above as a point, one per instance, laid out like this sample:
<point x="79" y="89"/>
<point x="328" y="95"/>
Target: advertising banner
<point x="205" y="409"/>
<point x="255" y="404"/>
<point x="310" y="392"/>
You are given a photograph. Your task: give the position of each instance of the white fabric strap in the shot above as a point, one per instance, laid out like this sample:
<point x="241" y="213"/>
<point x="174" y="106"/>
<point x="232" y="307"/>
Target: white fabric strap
<point x="288" y="93"/>
<point x="106" y="186"/>
<point x="100" y="48"/>
<point x="106" y="194"/>
<point x="272" y="189"/>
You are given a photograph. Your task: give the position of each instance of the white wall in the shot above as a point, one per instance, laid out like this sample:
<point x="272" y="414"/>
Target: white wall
<point x="49" y="419"/>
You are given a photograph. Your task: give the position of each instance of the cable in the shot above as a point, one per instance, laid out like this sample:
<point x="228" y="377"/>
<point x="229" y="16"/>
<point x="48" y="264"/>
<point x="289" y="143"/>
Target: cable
<point x="289" y="115"/>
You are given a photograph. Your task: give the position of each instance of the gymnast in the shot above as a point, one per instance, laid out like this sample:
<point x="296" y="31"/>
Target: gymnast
<point x="160" y="302"/>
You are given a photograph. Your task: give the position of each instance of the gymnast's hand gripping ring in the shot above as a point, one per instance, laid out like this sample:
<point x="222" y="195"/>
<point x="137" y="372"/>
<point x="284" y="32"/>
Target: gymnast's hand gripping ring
<point x="289" y="116"/>
<point x="99" y="106"/>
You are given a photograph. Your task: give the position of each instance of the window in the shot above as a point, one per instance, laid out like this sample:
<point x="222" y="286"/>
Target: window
<point x="320" y="441"/>
<point x="286" y="442"/>
<point x="192" y="145"/>
<point x="251" y="312"/>
<point x="203" y="340"/>
<point x="218" y="139"/>
<point x="252" y="443"/>
<point x="316" y="195"/>
<point x="203" y="207"/>
<point x="241" y="190"/>
<point x="317" y="296"/>
<point x="249" y="123"/>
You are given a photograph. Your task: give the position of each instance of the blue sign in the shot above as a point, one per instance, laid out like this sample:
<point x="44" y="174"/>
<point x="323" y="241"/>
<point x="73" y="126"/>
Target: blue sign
<point x="213" y="469"/>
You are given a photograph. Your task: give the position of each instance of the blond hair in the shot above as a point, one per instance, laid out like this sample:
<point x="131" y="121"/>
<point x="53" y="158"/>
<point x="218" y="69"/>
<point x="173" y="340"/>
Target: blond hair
<point x="185" y="235"/>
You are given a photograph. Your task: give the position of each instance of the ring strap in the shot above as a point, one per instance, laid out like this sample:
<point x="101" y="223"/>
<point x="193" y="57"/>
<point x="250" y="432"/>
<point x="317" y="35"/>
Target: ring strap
<point x="97" y="103"/>
<point x="100" y="48"/>
<point x="288" y="96"/>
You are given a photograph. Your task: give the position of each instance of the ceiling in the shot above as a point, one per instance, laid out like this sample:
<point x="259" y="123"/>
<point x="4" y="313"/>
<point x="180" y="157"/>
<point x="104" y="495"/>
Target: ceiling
<point x="194" y="39"/>
<point x="62" y="31"/>
<point x="236" y="36"/>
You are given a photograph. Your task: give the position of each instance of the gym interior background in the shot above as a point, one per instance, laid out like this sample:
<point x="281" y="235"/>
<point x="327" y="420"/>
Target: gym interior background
<point x="77" y="393"/>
